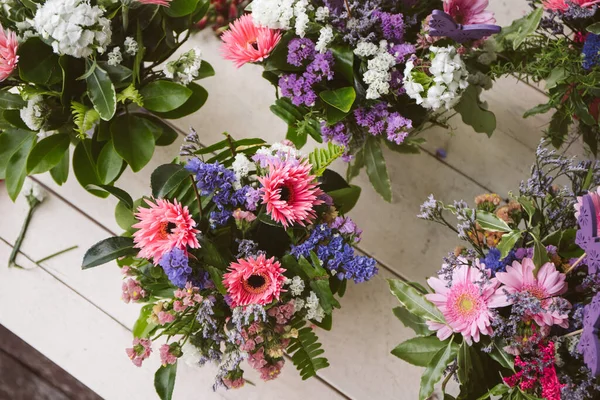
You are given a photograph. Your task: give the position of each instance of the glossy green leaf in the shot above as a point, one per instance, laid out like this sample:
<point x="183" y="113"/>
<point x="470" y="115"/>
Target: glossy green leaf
<point x="11" y="101"/>
<point x="110" y="163"/>
<point x="16" y="170"/>
<point x="60" y="172"/>
<point x="342" y="98"/>
<point x="414" y="322"/>
<point x="356" y="165"/>
<point x="193" y="103"/>
<point x="181" y="8"/>
<point x="166" y="178"/>
<point x="435" y="369"/>
<point x="376" y="168"/>
<point x="490" y="222"/>
<point x="531" y="23"/>
<point x="206" y="70"/>
<point x="470" y="372"/>
<point x="540" y="254"/>
<point x="473" y="113"/>
<point x="507" y="242"/>
<point x="216" y="276"/>
<point x="345" y="199"/>
<point x="539" y="109"/>
<point x="38" y="63"/>
<point x="594" y="28"/>
<point x="120" y="194"/>
<point x="132" y="140"/>
<point x="498" y="390"/>
<point x="164" y="381"/>
<point x="344" y="61"/>
<point x="164" y="96"/>
<point x="502" y="357"/>
<point x="142" y="328"/>
<point x="323" y="292"/>
<point x="84" y="167"/>
<point x="419" y="351"/>
<point x="557" y="75"/>
<point x="10" y="141"/>
<point x="414" y="301"/>
<point x="108" y="250"/>
<point x="102" y="93"/>
<point x="47" y="153"/>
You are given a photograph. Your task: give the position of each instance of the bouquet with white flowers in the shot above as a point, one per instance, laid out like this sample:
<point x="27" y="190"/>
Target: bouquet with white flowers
<point x="93" y="74"/>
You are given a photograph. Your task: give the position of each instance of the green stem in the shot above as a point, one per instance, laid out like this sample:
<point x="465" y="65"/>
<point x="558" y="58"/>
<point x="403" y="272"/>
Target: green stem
<point x="198" y="198"/>
<point x="19" y="241"/>
<point x="125" y="18"/>
<point x="58" y="253"/>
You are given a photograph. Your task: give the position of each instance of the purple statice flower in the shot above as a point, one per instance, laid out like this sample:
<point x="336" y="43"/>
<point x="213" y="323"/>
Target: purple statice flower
<point x="210" y="177"/>
<point x="396" y="85"/>
<point x="591" y="51"/>
<point x="219" y="218"/>
<point x="248" y="248"/>
<point x="300" y="50"/>
<point x="298" y="89"/>
<point x="379" y="120"/>
<point x="175" y="265"/>
<point x="402" y="51"/>
<point x="346" y="226"/>
<point x="321" y="66"/>
<point x="495" y="263"/>
<point x="337" y="134"/>
<point x="522" y="253"/>
<point x="252" y="198"/>
<point x="392" y="25"/>
<point x="397" y="128"/>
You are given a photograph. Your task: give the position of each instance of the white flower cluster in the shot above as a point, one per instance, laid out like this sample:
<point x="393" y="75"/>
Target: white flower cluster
<point x="74" y="27"/>
<point x="274" y="14"/>
<point x="115" y="57"/>
<point x="313" y="308"/>
<point x="325" y="37"/>
<point x="32" y="188"/>
<point x="321" y="14"/>
<point x="241" y="167"/>
<point x="131" y="46"/>
<point x="34" y="113"/>
<point x="301" y="17"/>
<point x="296" y="285"/>
<point x="185" y="68"/>
<point x="365" y="49"/>
<point x="448" y="78"/>
<point x="378" y="72"/>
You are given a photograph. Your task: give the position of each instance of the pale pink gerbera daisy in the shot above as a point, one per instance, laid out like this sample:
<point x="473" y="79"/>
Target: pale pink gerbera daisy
<point x="290" y="192"/>
<point x="244" y="42"/>
<point x="8" y="53"/>
<point x="467" y="12"/>
<point x="164" y="3"/>
<point x="254" y="281"/>
<point x="545" y="286"/>
<point x="563" y="5"/>
<point x="163" y="227"/>
<point x="466" y="303"/>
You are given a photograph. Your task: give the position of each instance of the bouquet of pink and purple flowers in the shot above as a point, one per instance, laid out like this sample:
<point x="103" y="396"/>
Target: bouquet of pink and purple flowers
<point x="366" y="73"/>
<point x="235" y="257"/>
<point x="515" y="314"/>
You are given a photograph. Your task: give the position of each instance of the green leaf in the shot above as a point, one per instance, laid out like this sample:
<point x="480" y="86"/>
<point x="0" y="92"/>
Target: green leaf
<point x="559" y="127"/>
<point x="216" y="276"/>
<point x="531" y="23"/>
<point x="344" y="61"/>
<point x="419" y="351"/>
<point x="490" y="222"/>
<point x="376" y="169"/>
<point x="498" y="390"/>
<point x="84" y="117"/>
<point x="11" y="101"/>
<point x="10" y="141"/>
<point x="528" y="205"/>
<point x="108" y="250"/>
<point x="356" y="165"/>
<point x="539" y="109"/>
<point x="206" y="70"/>
<point x="321" y="158"/>
<point x="540" y="254"/>
<point x="334" y="115"/>
<point x="120" y="194"/>
<point x="557" y="75"/>
<point x="414" y="301"/>
<point x="594" y="28"/>
<point x="60" y="172"/>
<point x="166" y="178"/>
<point x="502" y="357"/>
<point x="84" y="167"/>
<point x="342" y="98"/>
<point x="124" y="215"/>
<point x="164" y="381"/>
<point x="412" y="321"/>
<point x="47" y="153"/>
<point x="196" y="100"/>
<point x="305" y="351"/>
<point x="38" y="63"/>
<point x="470" y="371"/>
<point x="507" y="242"/>
<point x="164" y="96"/>
<point x="323" y="291"/>
<point x="181" y="8"/>
<point x="435" y="369"/>
<point x="102" y="93"/>
<point x="285" y="110"/>
<point x="16" y="169"/>
<point x="142" y="328"/>
<point x="296" y="136"/>
<point x="110" y="163"/>
<point x="345" y="199"/>
<point x="132" y="140"/>
<point x="473" y="114"/>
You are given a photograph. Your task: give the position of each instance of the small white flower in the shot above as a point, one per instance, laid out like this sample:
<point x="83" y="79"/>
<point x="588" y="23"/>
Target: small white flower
<point x="274" y="14"/>
<point x="296" y="286"/>
<point x="241" y="167"/>
<point x="131" y="46"/>
<point x="298" y="304"/>
<point x="32" y="188"/>
<point x="73" y="27"/>
<point x="365" y="49"/>
<point x="325" y="37"/>
<point x="34" y="113"/>
<point x="313" y="308"/>
<point x="185" y="69"/>
<point x="321" y="14"/>
<point x="289" y="151"/>
<point x="378" y="73"/>
<point x="301" y="17"/>
<point x="191" y="355"/>
<point x="115" y="57"/>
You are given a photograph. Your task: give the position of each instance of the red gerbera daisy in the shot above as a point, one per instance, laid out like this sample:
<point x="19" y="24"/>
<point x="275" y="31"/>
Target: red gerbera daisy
<point x="163" y="227"/>
<point x="290" y="193"/>
<point x="244" y="42"/>
<point x="254" y="281"/>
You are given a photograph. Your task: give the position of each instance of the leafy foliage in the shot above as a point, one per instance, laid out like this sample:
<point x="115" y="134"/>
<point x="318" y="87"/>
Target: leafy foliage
<point x="305" y="351"/>
<point x="322" y="158"/>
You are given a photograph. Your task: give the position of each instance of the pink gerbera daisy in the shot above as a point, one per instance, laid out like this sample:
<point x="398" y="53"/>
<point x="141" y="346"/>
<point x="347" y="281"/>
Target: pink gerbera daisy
<point x="163" y="227"/>
<point x="290" y="192"/>
<point x="164" y="3"/>
<point x="465" y="304"/>
<point x="8" y="53"/>
<point x="545" y="286"/>
<point x="244" y="42"/>
<point x="254" y="281"/>
<point x="467" y="12"/>
<point x="563" y="5"/>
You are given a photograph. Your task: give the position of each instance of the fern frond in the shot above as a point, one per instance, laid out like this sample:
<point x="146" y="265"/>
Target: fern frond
<point x="84" y="117"/>
<point x="130" y="93"/>
<point x="322" y="158"/>
<point x="305" y="351"/>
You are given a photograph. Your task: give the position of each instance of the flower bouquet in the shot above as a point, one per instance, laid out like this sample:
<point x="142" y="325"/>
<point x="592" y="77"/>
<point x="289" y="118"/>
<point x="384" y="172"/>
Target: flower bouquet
<point x="93" y="74"/>
<point x="363" y="73"/>
<point x="557" y="46"/>
<point x="235" y="257"/>
<point x="513" y="315"/>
